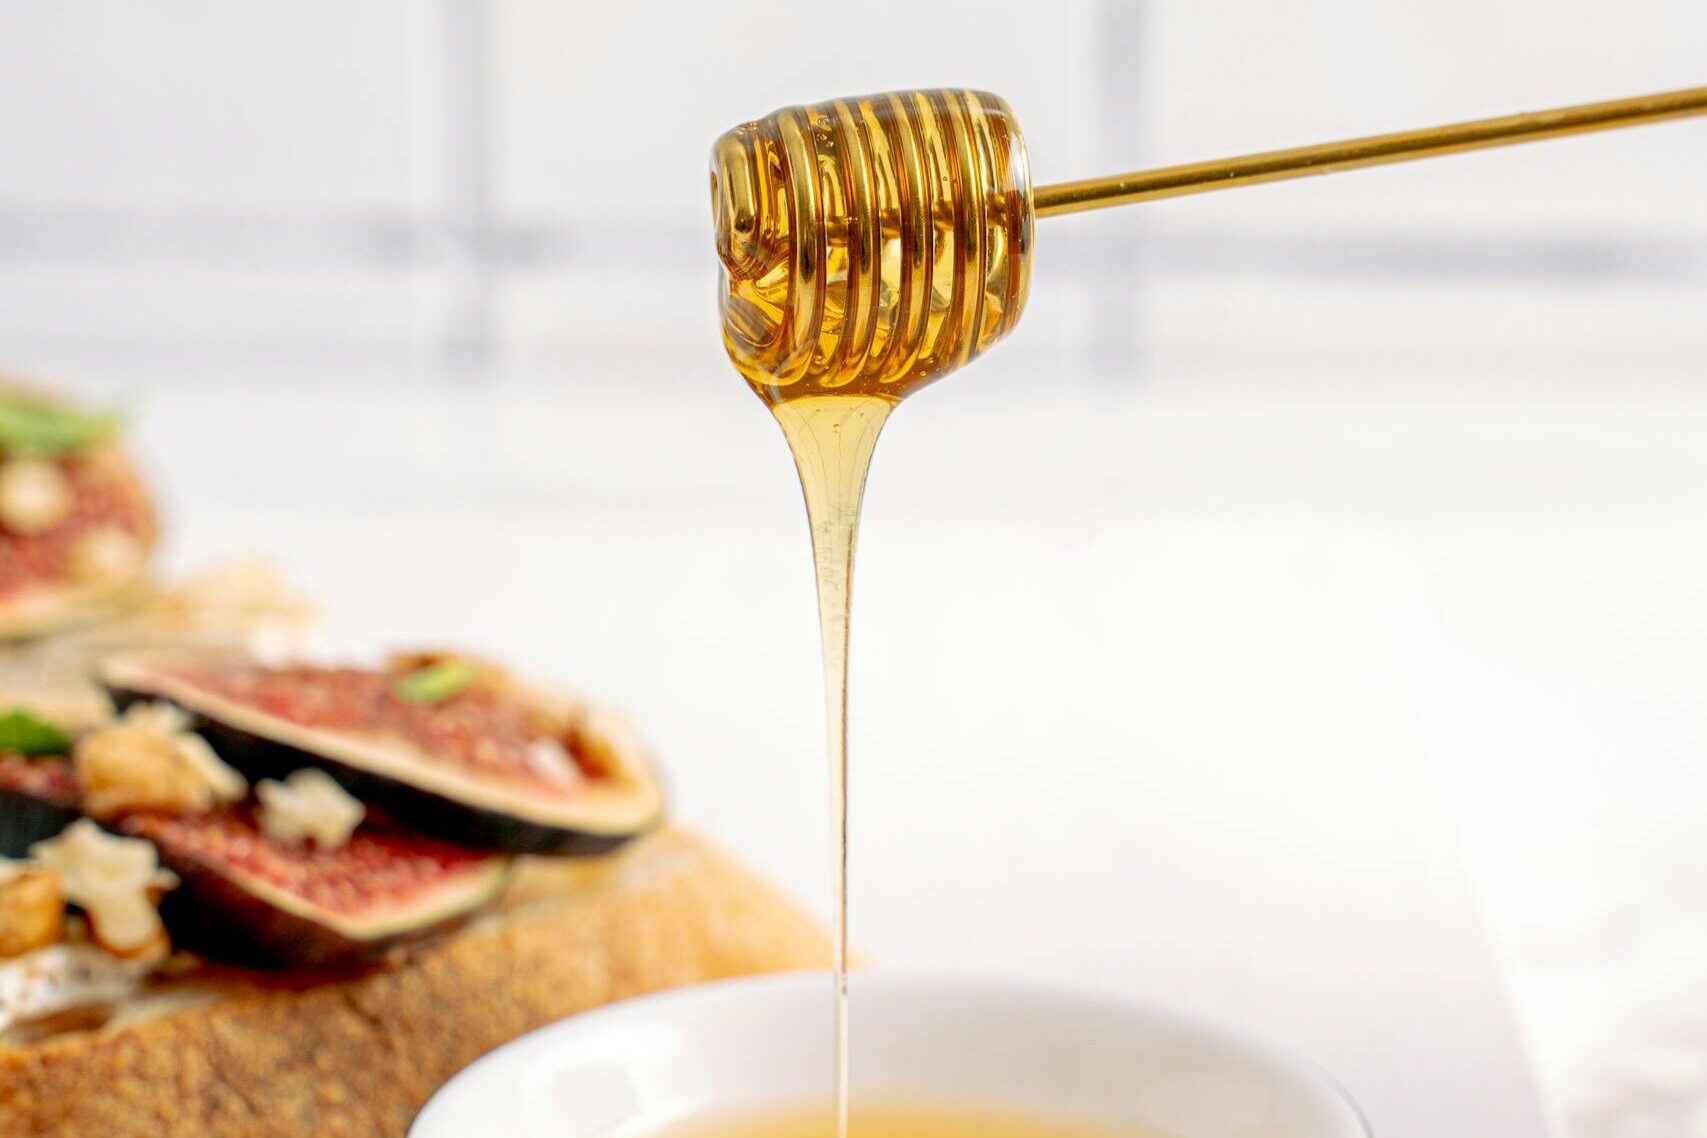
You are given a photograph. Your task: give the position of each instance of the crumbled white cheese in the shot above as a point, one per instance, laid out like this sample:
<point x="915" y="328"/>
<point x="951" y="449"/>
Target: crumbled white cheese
<point x="157" y="716"/>
<point x="150" y="760"/>
<point x="116" y="880"/>
<point x="551" y="760"/>
<point x="61" y="977"/>
<point x="274" y="642"/>
<point x="106" y="556"/>
<point x="35" y="495"/>
<point x="309" y="806"/>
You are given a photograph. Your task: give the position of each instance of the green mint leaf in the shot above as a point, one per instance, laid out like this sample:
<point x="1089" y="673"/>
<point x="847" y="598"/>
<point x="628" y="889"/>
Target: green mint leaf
<point x="38" y="430"/>
<point x="436" y="682"/>
<point x="24" y="733"/>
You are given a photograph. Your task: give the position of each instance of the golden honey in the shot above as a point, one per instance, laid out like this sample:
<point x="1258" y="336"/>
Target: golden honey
<point x="897" y="1120"/>
<point x="870" y="245"/>
<point x="832" y="438"/>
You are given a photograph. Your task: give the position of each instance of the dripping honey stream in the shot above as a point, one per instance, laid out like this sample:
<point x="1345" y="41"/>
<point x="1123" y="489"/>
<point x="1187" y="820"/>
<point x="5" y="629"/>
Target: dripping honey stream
<point x="899" y="255"/>
<point x="832" y="439"/>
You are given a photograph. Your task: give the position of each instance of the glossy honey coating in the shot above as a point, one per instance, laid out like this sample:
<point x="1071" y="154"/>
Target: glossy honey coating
<point x="870" y="245"/>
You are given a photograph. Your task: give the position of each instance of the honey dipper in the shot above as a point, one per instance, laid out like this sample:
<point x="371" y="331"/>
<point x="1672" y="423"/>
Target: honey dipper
<point x="870" y="245"/>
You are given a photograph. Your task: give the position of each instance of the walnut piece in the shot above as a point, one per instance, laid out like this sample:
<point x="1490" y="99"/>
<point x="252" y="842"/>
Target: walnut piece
<point x="149" y="760"/>
<point x="32" y="908"/>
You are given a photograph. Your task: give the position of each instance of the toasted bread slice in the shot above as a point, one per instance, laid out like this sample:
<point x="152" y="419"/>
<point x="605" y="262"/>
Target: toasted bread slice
<point x="244" y="1057"/>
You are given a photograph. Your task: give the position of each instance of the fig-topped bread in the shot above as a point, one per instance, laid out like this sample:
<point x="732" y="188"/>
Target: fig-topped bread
<point x="181" y="888"/>
<point x="76" y="526"/>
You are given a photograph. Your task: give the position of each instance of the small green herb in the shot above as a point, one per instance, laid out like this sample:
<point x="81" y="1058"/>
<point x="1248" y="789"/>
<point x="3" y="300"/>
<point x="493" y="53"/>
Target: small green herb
<point x="37" y="430"/>
<point x="24" y="733"/>
<point x="436" y="682"/>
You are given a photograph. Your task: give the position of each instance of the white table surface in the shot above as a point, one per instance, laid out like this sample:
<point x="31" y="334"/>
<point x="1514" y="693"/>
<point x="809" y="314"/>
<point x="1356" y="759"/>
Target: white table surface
<point x="1363" y="718"/>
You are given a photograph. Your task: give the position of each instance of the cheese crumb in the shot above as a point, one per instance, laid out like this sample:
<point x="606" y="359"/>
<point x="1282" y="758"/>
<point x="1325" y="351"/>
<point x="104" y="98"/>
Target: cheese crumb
<point x="35" y="495"/>
<point x="61" y="977"/>
<point x="551" y="760"/>
<point x="116" y="880"/>
<point x="160" y="717"/>
<point x="309" y="806"/>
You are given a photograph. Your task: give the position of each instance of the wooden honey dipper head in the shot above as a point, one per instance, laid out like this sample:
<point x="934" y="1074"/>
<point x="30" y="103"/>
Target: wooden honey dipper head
<point x="870" y="245"/>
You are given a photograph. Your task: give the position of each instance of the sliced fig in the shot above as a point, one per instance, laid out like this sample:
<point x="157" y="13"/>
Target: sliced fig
<point x="480" y="761"/>
<point x="76" y="525"/>
<point x="38" y="799"/>
<point x="246" y="899"/>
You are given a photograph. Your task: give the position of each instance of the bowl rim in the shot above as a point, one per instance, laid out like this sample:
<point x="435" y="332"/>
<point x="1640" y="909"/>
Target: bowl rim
<point x="1283" y="1059"/>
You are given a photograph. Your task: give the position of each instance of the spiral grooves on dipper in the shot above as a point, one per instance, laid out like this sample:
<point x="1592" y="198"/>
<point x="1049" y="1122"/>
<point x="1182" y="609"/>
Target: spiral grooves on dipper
<point x="870" y="245"/>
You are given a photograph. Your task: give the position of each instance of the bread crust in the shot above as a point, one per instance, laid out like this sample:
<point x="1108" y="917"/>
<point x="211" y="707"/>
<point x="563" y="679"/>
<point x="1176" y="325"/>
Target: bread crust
<point x="357" y="1058"/>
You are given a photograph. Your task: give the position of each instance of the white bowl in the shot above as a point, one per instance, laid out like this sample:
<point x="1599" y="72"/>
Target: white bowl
<point x="633" y="1068"/>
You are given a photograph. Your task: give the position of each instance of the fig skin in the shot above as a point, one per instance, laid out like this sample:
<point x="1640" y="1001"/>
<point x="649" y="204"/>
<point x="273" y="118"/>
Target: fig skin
<point x="38" y="799"/>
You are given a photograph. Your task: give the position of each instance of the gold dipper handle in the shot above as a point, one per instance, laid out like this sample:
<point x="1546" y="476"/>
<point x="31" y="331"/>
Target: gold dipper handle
<point x="1353" y="154"/>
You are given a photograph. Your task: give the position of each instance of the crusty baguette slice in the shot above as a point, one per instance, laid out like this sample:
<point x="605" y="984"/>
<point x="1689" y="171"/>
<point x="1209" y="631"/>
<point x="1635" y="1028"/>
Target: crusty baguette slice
<point x="358" y="1058"/>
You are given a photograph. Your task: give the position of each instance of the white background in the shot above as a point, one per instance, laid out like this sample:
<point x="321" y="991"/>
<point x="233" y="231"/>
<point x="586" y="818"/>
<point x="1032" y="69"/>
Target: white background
<point x="1299" y="620"/>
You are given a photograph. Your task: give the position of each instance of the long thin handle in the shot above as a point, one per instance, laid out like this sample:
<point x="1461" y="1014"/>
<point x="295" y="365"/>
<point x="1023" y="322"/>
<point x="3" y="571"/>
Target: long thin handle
<point x="1352" y="154"/>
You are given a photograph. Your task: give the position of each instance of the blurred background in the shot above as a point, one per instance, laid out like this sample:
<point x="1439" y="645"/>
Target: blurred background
<point x="1300" y="619"/>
